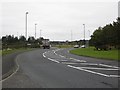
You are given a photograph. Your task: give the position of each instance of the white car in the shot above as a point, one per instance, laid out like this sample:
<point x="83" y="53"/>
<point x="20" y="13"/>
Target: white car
<point x="83" y="46"/>
<point x="76" y="46"/>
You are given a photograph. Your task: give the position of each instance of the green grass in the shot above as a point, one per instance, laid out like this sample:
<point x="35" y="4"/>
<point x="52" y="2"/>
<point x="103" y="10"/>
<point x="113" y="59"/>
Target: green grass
<point x="64" y="46"/>
<point x="5" y="52"/>
<point x="111" y="54"/>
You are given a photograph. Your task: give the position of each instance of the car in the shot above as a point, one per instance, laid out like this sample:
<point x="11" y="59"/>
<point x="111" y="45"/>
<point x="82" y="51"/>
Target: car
<point x="83" y="46"/>
<point x="76" y="46"/>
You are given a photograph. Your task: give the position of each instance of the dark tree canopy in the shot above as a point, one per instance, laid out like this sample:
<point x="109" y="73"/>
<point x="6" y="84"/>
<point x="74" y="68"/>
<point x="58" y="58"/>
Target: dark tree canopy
<point x="107" y="35"/>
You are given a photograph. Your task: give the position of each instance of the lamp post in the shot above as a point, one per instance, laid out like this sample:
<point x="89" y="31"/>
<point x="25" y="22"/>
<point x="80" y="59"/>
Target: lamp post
<point x="84" y="33"/>
<point x="40" y="33"/>
<point x="35" y="31"/>
<point x="26" y="25"/>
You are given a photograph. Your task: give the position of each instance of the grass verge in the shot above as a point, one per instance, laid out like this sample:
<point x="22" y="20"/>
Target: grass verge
<point x="5" y="52"/>
<point x="64" y="46"/>
<point x="111" y="54"/>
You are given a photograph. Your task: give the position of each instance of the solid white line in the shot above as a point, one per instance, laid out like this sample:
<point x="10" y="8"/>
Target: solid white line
<point x="63" y="60"/>
<point x="68" y="63"/>
<point x="61" y="56"/>
<point x="108" y="65"/>
<point x="78" y="60"/>
<point x="89" y="63"/>
<point x="89" y="71"/>
<point x="99" y="68"/>
<point x="114" y="76"/>
<point x="13" y="72"/>
<point x="53" y="60"/>
<point x="44" y="55"/>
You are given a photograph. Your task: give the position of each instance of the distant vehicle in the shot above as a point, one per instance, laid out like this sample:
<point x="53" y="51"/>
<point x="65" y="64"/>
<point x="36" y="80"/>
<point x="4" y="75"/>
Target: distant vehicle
<point x="46" y="44"/>
<point x="83" y="46"/>
<point x="76" y="46"/>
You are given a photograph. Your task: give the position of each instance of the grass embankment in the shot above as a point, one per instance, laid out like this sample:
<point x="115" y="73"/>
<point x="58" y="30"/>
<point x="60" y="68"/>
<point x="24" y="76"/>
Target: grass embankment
<point x="64" y="46"/>
<point x="111" y="54"/>
<point x="5" y="52"/>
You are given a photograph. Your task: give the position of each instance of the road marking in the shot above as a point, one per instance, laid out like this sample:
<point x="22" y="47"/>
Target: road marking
<point x="114" y="76"/>
<point x="61" y="56"/>
<point x="13" y="72"/>
<point x="44" y="55"/>
<point x="108" y="65"/>
<point x="63" y="60"/>
<point x="88" y="71"/>
<point x="89" y="63"/>
<point x="68" y="63"/>
<point x="78" y="60"/>
<point x="97" y="73"/>
<point x="53" y="60"/>
<point x="99" y="68"/>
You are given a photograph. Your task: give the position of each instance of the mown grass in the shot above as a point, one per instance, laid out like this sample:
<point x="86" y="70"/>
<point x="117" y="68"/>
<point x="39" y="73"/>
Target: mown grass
<point x="64" y="46"/>
<point x="5" y="52"/>
<point x="111" y="54"/>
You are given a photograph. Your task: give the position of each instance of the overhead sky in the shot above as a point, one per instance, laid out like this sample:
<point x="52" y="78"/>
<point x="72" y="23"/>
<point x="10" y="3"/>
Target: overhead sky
<point x="62" y="20"/>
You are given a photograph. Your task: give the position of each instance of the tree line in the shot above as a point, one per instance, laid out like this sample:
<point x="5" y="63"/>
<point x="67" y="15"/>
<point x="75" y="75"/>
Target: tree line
<point x="107" y="37"/>
<point x="10" y="41"/>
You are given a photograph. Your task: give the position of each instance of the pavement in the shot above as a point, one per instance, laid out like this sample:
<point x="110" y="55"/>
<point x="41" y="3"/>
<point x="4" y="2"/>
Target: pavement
<point x="57" y="68"/>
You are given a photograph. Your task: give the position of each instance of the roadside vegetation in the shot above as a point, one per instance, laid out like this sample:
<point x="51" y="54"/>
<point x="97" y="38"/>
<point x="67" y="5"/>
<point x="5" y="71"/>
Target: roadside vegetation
<point x="9" y="51"/>
<point x="107" y="37"/>
<point x="64" y="46"/>
<point x="92" y="52"/>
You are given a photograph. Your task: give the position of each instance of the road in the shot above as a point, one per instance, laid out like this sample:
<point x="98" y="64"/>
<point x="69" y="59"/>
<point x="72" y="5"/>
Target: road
<point x="57" y="68"/>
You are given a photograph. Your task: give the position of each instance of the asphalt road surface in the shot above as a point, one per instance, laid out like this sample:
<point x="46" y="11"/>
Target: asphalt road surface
<point x="57" y="68"/>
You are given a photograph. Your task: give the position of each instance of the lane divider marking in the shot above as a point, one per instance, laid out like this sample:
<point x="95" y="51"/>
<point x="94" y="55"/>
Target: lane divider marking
<point x="82" y="68"/>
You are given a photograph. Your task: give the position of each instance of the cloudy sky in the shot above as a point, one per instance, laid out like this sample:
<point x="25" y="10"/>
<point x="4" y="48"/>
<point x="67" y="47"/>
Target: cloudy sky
<point x="62" y="20"/>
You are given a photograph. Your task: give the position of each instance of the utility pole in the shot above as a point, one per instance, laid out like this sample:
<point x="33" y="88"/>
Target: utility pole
<point x="40" y="33"/>
<point x="26" y="25"/>
<point x="71" y="35"/>
<point x="84" y="33"/>
<point x="89" y="39"/>
<point x="35" y="30"/>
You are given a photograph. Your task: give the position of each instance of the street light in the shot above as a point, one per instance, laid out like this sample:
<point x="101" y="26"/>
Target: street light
<point x="40" y="33"/>
<point x="89" y="32"/>
<point x="84" y="33"/>
<point x="35" y="30"/>
<point x="26" y="25"/>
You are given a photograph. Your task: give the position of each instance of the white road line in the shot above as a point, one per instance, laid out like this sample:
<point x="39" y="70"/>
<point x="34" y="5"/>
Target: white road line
<point x="88" y="71"/>
<point x="13" y="72"/>
<point x="89" y="63"/>
<point x="108" y="65"/>
<point x="63" y="60"/>
<point x="78" y="60"/>
<point x="44" y="55"/>
<point x="99" y="68"/>
<point x="61" y="56"/>
<point x="97" y="73"/>
<point x="53" y="60"/>
<point x="114" y="76"/>
<point x="68" y="63"/>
